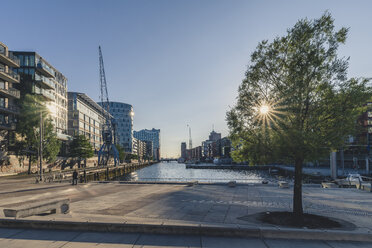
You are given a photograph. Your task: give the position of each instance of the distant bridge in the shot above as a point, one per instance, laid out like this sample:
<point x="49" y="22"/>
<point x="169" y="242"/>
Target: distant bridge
<point x="168" y="159"/>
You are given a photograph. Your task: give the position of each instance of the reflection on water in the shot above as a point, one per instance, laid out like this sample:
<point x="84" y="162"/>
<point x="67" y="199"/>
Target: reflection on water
<point x="171" y="172"/>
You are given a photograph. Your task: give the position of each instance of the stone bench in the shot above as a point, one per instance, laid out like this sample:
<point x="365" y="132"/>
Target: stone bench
<point x="329" y="185"/>
<point x="366" y="187"/>
<point x="55" y="206"/>
<point x="283" y="184"/>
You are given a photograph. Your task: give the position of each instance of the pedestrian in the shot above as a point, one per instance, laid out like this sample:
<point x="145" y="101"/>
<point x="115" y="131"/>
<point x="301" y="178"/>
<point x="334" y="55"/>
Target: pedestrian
<point x="74" y="177"/>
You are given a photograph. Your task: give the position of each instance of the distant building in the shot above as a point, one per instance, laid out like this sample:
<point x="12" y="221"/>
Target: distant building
<point x="183" y="150"/>
<point x="207" y="149"/>
<point x="85" y="118"/>
<point x="224" y="147"/>
<point x="8" y="97"/>
<point x="140" y="149"/>
<point x="149" y="149"/>
<point x="123" y="115"/>
<point x="38" y="77"/>
<point x="150" y="135"/>
<point x="213" y="136"/>
<point x="194" y="153"/>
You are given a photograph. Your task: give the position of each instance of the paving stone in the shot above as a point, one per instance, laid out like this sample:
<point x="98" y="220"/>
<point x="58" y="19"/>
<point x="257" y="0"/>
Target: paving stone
<point x="284" y="243"/>
<point x="222" y="242"/>
<point x="8" y="232"/>
<point x="89" y="239"/>
<point x="151" y="240"/>
<point x="38" y="238"/>
<point x="344" y="244"/>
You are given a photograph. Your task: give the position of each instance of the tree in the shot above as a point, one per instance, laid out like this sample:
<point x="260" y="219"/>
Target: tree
<point x="122" y="153"/>
<point x="131" y="156"/>
<point x="81" y="148"/>
<point x="32" y="108"/>
<point x="296" y="103"/>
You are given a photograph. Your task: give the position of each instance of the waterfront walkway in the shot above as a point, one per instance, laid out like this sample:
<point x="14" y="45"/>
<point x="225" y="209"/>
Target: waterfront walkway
<point x="12" y="238"/>
<point x="198" y="206"/>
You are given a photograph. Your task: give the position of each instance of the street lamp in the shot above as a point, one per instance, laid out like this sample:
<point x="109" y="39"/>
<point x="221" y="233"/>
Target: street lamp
<point x="41" y="145"/>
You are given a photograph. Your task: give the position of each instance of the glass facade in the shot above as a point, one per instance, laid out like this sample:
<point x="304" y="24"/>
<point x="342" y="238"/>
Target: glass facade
<point x="38" y="77"/>
<point x="85" y="118"/>
<point x="123" y="115"/>
<point x="152" y="135"/>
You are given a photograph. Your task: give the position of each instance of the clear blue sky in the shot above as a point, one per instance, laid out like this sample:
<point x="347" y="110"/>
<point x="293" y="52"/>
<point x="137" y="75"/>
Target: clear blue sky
<point x="177" y="62"/>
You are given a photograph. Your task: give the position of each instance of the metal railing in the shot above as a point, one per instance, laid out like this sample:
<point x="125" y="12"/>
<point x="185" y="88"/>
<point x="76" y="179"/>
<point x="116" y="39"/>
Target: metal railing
<point x="48" y="94"/>
<point x="11" y="108"/>
<point x="43" y="66"/>
<point x="45" y="80"/>
<point x="11" y="126"/>
<point x="10" y="73"/>
<point x="14" y="58"/>
<point x="11" y="91"/>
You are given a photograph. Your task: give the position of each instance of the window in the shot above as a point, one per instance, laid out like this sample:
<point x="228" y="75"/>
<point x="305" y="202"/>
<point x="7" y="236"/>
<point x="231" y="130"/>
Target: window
<point x="27" y="60"/>
<point x="32" y="60"/>
<point x="21" y="60"/>
<point x="31" y="71"/>
<point x="2" y="102"/>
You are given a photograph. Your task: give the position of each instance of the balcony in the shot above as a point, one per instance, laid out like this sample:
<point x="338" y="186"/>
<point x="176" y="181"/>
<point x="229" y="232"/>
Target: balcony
<point x="9" y="75"/>
<point x="44" y="69"/>
<point x="11" y="109"/>
<point x="9" y="60"/>
<point x="47" y="95"/>
<point x="11" y="92"/>
<point x="44" y="82"/>
<point x="7" y="126"/>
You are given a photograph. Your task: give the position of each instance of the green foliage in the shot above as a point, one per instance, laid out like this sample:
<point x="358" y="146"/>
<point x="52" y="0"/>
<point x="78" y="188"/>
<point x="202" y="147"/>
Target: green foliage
<point x="121" y="151"/>
<point x="132" y="156"/>
<point x="81" y="148"/>
<point x="28" y="128"/>
<point x="314" y="107"/>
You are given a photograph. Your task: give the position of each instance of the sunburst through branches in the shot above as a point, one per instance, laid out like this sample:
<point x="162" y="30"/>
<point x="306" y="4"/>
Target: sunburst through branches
<point x="268" y="114"/>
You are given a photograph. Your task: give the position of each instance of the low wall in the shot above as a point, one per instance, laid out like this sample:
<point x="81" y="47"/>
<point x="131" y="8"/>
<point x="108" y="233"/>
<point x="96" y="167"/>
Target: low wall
<point x="16" y="165"/>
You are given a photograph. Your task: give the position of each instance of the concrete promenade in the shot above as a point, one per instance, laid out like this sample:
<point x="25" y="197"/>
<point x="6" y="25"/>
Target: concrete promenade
<point x="13" y="238"/>
<point x="193" y="207"/>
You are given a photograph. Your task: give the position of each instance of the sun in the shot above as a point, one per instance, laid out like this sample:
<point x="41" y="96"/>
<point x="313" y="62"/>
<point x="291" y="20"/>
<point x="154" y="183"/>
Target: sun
<point x="264" y="109"/>
<point x="269" y="114"/>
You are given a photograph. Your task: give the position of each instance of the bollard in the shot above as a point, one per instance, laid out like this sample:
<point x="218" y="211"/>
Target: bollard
<point x="107" y="173"/>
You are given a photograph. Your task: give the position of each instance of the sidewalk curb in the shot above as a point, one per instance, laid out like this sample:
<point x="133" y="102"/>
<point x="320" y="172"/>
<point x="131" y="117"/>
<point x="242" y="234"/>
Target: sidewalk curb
<point x="195" y="229"/>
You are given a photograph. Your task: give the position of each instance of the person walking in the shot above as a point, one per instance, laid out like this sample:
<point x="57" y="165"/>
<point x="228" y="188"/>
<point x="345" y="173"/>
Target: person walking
<point x="74" y="177"/>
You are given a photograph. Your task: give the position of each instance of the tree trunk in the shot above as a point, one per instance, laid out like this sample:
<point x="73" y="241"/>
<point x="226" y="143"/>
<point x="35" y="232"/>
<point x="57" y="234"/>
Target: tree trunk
<point x="29" y="165"/>
<point x="297" y="191"/>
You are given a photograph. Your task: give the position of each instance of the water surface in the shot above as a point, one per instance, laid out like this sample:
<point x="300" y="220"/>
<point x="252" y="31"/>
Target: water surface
<point x="175" y="172"/>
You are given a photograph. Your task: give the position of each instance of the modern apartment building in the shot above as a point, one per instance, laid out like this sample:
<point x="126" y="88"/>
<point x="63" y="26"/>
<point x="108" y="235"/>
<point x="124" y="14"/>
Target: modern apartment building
<point x="150" y="135"/>
<point x="139" y="148"/>
<point x="123" y="115"/>
<point x="41" y="78"/>
<point x="8" y="96"/>
<point x="85" y="117"/>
